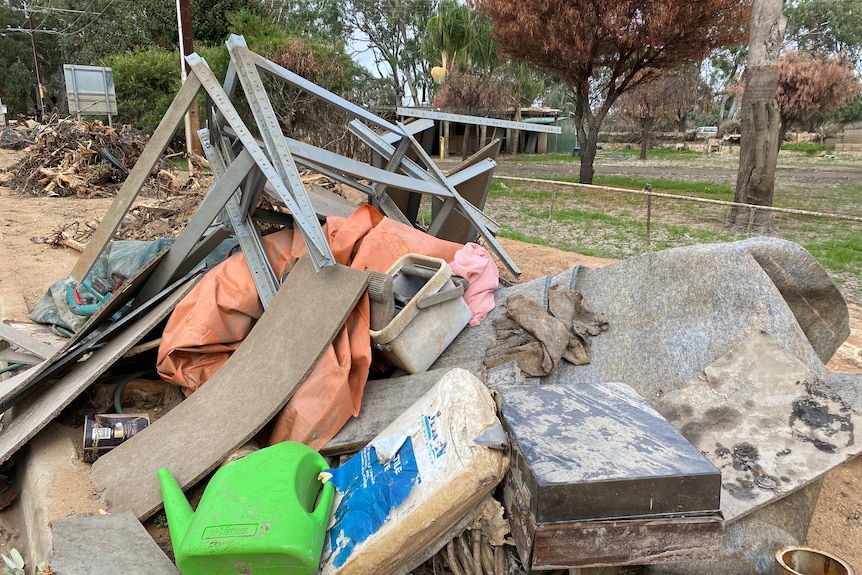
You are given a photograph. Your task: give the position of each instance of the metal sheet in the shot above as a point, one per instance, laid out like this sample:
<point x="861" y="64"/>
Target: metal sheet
<point x="594" y="451"/>
<point x="477" y="120"/>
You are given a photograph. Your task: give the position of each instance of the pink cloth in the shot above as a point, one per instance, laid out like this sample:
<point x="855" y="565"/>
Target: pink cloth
<point x="475" y="264"/>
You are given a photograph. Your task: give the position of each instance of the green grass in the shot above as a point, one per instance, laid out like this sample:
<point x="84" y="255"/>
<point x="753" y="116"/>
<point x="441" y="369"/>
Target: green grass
<point x="809" y="148"/>
<point x="182" y="164"/>
<point x="612" y="224"/>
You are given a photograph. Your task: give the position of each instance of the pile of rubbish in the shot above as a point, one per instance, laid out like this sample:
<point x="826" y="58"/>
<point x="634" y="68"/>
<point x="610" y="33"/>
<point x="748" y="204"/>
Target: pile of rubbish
<point x="362" y="396"/>
<point x="75" y="158"/>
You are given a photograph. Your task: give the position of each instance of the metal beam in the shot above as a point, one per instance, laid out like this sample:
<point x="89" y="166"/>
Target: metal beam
<point x="307" y="223"/>
<point x="411" y="168"/>
<point x="322" y="93"/>
<point x="469" y="210"/>
<point x="477" y="120"/>
<point x="252" y="248"/>
<point x="276" y="147"/>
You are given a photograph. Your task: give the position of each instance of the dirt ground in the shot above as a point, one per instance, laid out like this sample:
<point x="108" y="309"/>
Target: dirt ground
<point x="29" y="266"/>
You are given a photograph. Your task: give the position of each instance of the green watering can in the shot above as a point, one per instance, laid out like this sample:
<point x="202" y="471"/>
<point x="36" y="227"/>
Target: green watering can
<point x="265" y="513"/>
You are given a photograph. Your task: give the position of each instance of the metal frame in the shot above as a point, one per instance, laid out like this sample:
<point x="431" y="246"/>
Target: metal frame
<point x="245" y="167"/>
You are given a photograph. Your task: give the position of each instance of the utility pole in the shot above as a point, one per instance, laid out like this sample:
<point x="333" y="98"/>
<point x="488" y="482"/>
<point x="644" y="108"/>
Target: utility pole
<point x="40" y="87"/>
<point x="184" y="22"/>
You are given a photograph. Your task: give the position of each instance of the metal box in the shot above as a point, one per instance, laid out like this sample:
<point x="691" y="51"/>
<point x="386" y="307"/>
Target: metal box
<point x="600" y="451"/>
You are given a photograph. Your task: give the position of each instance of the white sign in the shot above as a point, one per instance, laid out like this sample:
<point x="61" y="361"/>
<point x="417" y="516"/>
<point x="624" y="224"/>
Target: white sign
<point x="90" y="90"/>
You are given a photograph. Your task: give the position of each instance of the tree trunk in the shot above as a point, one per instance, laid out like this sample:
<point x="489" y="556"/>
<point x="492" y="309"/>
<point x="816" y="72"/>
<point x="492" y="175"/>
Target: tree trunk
<point x="681" y="119"/>
<point x="465" y="143"/>
<point x="587" y="125"/>
<point x="760" y="121"/>
<point x="646" y="128"/>
<point x="446" y="140"/>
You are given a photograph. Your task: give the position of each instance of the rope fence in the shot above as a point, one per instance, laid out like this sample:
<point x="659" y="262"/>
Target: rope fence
<point x="614" y="222"/>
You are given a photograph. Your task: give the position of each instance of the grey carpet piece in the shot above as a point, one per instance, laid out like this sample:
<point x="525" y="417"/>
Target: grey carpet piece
<point x="672" y="313"/>
<point x="107" y="545"/>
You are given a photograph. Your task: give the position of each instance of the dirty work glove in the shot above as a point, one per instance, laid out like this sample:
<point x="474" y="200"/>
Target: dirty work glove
<point x="550" y="338"/>
<point x="569" y="307"/>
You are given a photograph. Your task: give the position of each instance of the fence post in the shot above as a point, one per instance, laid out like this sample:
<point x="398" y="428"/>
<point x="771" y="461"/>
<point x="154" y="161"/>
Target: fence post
<point x="551" y="211"/>
<point x="751" y="211"/>
<point x="648" y="190"/>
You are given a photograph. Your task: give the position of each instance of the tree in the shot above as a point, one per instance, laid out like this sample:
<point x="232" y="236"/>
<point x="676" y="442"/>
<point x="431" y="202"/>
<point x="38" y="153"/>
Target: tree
<point x="459" y="38"/>
<point x="648" y="103"/>
<point x="689" y="93"/>
<point x="724" y="75"/>
<point x="604" y="48"/>
<point x="833" y="26"/>
<point x="393" y="31"/>
<point x="810" y="86"/>
<point x="760" y="120"/>
<point x="316" y="18"/>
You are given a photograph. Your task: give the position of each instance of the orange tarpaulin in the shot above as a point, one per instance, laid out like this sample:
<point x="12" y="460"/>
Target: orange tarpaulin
<point x="211" y="322"/>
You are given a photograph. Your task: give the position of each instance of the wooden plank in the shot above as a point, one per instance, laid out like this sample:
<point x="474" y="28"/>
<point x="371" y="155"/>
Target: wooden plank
<point x="136" y="178"/>
<point x="581" y="544"/>
<point x="248" y="390"/>
<point x="27" y="341"/>
<point x="382" y="402"/>
<point x="40" y="410"/>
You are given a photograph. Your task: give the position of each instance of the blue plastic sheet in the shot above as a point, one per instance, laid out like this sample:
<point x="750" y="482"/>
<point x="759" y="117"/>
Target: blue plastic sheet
<point x="370" y="491"/>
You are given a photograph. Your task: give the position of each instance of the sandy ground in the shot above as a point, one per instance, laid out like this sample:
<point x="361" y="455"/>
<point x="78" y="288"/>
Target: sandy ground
<point x="29" y="266"/>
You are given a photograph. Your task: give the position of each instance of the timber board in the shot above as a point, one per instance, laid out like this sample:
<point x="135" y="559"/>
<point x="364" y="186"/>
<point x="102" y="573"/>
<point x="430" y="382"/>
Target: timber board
<point x="249" y="389"/>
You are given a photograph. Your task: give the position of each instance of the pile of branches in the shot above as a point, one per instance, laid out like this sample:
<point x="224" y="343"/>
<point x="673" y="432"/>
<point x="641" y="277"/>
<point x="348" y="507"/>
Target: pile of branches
<point x="83" y="159"/>
<point x="18" y="135"/>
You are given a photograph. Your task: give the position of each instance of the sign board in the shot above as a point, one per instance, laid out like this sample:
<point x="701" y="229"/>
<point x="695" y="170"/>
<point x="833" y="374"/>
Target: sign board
<point x="90" y="90"/>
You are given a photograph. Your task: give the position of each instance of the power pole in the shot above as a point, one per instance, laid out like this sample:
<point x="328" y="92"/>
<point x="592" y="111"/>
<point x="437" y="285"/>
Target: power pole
<point x="40" y="87"/>
<point x="184" y="22"/>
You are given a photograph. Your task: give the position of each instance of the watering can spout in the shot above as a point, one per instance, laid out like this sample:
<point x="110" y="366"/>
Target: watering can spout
<point x="177" y="508"/>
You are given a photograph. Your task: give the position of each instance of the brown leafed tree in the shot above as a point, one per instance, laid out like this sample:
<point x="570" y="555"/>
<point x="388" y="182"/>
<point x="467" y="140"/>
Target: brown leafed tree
<point x="664" y="97"/>
<point x="602" y="48"/>
<point x="810" y="86"/>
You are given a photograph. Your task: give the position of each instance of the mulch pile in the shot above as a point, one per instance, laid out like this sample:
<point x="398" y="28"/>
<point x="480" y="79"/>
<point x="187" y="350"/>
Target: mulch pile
<point x="83" y="159"/>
